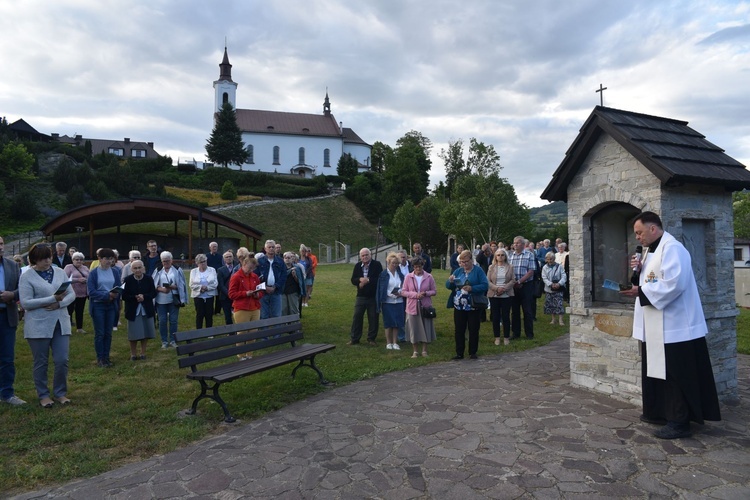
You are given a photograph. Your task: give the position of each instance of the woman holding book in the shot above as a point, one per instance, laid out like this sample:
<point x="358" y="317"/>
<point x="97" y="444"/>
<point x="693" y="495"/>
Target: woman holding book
<point x="138" y="294"/>
<point x="104" y="290"/>
<point x="47" y="322"/>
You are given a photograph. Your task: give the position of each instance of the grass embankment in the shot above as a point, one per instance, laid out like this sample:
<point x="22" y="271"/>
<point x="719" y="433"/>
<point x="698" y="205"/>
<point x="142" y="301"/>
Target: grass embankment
<point x="211" y="198"/>
<point x="131" y="411"/>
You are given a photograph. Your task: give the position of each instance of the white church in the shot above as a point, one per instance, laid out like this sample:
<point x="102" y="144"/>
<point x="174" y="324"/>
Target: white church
<point x="300" y="144"/>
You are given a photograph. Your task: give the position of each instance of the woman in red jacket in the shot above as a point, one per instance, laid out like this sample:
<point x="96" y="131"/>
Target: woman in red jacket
<point x="243" y="292"/>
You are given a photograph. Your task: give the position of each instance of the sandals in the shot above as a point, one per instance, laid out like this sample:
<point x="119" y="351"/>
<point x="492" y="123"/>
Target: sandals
<point x="497" y="341"/>
<point x="424" y="354"/>
<point x="414" y="355"/>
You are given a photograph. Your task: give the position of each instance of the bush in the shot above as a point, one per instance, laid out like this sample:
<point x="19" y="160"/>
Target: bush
<point x="228" y="191"/>
<point x="75" y="197"/>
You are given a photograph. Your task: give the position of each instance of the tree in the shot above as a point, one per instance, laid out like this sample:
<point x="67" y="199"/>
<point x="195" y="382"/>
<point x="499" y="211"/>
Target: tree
<point x="381" y="155"/>
<point x="347" y="168"/>
<point x="367" y="193"/>
<point x="225" y="146"/>
<point x="405" y="225"/>
<point x="228" y="191"/>
<point x="455" y="166"/>
<point x="741" y="203"/>
<point x="16" y="163"/>
<point x="483" y="160"/>
<point x="485" y="208"/>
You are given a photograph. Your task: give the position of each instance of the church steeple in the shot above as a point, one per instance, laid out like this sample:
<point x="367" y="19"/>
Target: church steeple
<point x="225" y="90"/>
<point x="225" y="69"/>
<point x="327" y="105"/>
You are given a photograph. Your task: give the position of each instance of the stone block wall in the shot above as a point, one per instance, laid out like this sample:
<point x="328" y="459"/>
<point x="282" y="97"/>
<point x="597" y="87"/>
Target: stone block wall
<point x="603" y="355"/>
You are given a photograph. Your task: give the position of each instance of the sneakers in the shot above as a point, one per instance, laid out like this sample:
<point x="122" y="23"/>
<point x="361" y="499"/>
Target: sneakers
<point x="13" y="400"/>
<point x="80" y="330"/>
<point x="164" y="345"/>
<point x="395" y="347"/>
<point x="173" y="344"/>
<point x="114" y="328"/>
<point x="389" y="346"/>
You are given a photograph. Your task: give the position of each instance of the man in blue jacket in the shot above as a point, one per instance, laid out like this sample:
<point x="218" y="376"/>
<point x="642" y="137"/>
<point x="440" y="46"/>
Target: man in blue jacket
<point x="272" y="271"/>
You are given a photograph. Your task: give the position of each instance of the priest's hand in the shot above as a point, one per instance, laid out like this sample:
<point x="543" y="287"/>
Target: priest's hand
<point x="630" y="292"/>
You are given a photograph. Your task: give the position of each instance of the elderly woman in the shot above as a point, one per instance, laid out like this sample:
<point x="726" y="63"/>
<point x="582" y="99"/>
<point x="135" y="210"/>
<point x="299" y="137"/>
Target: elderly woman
<point x="419" y="288"/>
<point x="78" y="274"/>
<point x="103" y="284"/>
<point x="204" y="284"/>
<point x="242" y="291"/>
<point x="171" y="294"/>
<point x="133" y="255"/>
<point x="468" y="286"/>
<point x="501" y="280"/>
<point x="554" y="277"/>
<point x="47" y="322"/>
<point x="294" y="286"/>
<point x="138" y="294"/>
<point x="390" y="301"/>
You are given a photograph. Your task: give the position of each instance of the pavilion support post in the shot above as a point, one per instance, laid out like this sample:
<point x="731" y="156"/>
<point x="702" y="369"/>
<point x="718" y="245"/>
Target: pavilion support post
<point x="91" y="239"/>
<point x="190" y="236"/>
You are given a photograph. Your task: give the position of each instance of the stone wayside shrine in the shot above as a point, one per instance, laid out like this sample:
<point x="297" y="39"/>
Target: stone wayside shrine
<point x="620" y="164"/>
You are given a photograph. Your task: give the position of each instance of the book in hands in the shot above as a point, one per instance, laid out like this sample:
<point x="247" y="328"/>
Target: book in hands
<point x="260" y="287"/>
<point x="118" y="289"/>
<point x="614" y="285"/>
<point x="63" y="286"/>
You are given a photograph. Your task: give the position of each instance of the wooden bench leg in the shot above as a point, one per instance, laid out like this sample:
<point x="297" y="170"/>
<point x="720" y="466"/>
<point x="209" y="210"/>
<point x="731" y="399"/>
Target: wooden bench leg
<point x="215" y="396"/>
<point x="322" y="379"/>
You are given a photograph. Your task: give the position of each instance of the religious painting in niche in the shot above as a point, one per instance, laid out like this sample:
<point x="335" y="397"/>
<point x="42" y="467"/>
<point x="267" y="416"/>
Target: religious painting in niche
<point x="694" y="237"/>
<point x="612" y="243"/>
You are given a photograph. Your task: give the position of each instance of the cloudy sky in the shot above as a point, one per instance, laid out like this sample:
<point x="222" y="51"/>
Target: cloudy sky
<point x="520" y="75"/>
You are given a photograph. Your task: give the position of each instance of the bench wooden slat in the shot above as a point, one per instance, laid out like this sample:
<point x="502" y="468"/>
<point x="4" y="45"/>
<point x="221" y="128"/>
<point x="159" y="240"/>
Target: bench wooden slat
<point x="203" y="333"/>
<point x="249" y="336"/>
<point x="234" y="350"/>
<point x="226" y="373"/>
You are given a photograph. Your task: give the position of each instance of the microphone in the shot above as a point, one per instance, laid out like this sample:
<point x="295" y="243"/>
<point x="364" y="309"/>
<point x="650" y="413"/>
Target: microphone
<point x="638" y="254"/>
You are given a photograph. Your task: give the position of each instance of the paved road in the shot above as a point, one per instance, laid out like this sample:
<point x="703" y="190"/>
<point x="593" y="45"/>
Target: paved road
<point x="507" y="426"/>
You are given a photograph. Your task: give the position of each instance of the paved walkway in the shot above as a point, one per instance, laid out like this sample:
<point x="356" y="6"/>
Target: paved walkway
<point x="507" y="426"/>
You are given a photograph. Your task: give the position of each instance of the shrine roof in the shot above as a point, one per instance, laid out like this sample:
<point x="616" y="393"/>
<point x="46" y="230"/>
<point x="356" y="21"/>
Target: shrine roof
<point x="675" y="153"/>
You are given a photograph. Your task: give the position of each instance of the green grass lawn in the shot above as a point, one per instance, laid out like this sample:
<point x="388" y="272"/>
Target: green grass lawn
<point x="133" y="410"/>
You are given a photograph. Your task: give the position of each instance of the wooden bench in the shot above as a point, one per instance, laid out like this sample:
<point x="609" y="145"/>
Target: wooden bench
<point x="209" y="345"/>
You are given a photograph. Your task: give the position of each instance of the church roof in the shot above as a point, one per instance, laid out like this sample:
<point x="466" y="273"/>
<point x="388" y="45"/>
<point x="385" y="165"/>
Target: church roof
<point x="351" y="137"/>
<point x="278" y="122"/>
<point x="675" y="153"/>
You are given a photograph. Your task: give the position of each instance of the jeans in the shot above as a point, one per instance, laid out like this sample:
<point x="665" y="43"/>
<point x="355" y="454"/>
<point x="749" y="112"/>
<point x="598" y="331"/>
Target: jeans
<point x="78" y="307"/>
<point x="60" y="345"/>
<point x="7" y="355"/>
<point x="270" y="306"/>
<point x="204" y="310"/>
<point x="168" y="315"/>
<point x="364" y="305"/>
<point x="523" y="300"/>
<point x="462" y="320"/>
<point x="501" y="311"/>
<point x="103" y="314"/>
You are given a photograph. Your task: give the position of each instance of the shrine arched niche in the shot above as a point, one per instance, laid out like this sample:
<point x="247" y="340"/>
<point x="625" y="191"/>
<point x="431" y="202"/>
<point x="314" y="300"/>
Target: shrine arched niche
<point x="610" y="242"/>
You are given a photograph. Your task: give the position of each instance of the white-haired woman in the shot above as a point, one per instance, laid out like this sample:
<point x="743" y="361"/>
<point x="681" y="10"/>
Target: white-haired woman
<point x="78" y="274"/>
<point x="203" y="290"/>
<point x="171" y="294"/>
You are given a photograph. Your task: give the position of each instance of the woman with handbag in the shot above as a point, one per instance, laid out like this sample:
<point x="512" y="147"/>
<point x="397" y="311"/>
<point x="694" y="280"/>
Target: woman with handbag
<point x="389" y="300"/>
<point x="468" y="286"/>
<point x="554" y="278"/>
<point x="501" y="280"/>
<point x="419" y="288"/>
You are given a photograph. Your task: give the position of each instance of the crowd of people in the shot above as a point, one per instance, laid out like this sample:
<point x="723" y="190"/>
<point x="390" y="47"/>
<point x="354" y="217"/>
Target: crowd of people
<point x="493" y="278"/>
<point x="51" y="292"/>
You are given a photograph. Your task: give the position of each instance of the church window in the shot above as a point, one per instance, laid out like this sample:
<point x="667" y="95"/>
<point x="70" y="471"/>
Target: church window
<point x="326" y="157"/>
<point x="301" y="156"/>
<point x="276" y="152"/>
<point x="224" y="98"/>
<point x="250" y="154"/>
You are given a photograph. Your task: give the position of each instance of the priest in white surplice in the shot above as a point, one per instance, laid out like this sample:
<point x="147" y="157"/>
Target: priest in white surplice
<point x="678" y="382"/>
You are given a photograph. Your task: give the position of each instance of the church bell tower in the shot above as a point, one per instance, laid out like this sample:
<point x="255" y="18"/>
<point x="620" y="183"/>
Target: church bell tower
<point x="225" y="90"/>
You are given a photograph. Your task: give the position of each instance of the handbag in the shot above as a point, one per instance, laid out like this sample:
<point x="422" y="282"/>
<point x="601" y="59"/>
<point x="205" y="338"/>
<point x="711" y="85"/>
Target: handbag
<point x="479" y="302"/>
<point x="428" y="312"/>
<point x="176" y="300"/>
